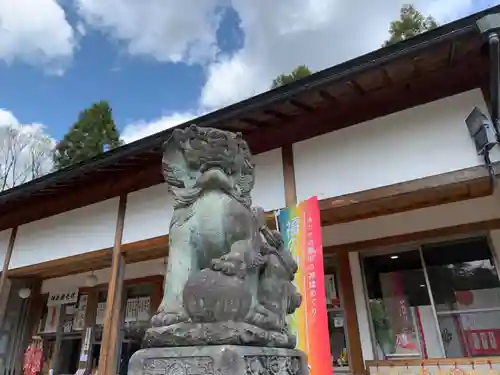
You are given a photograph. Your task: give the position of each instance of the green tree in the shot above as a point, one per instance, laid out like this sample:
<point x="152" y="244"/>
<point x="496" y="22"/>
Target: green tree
<point x="299" y="72"/>
<point x="410" y="23"/>
<point x="94" y="133"/>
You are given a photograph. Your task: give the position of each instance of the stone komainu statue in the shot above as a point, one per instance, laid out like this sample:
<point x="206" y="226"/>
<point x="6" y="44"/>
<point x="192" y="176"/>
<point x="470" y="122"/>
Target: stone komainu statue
<point x="229" y="279"/>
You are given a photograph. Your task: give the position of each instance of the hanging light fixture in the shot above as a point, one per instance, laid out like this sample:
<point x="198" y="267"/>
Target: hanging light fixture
<point x="91" y="280"/>
<point x="24" y="293"/>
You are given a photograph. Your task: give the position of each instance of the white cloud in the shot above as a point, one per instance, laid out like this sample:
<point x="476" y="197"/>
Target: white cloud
<point x="25" y="150"/>
<point x="35" y="32"/>
<point x="447" y="10"/>
<point x="168" y="30"/>
<point x="141" y="129"/>
<point x="80" y="28"/>
<point x="281" y="35"/>
<point x="278" y="36"/>
<point x="7" y="118"/>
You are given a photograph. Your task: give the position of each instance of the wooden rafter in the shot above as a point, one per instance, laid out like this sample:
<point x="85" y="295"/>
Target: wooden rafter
<point x="276" y="114"/>
<point x="386" y="77"/>
<point x="356" y="87"/>
<point x="253" y="122"/>
<point x="326" y="96"/>
<point x="452" y="53"/>
<point x="304" y="107"/>
<point x="423" y="89"/>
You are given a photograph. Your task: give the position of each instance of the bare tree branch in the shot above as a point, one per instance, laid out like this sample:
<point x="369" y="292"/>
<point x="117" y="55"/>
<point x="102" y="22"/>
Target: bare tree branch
<point x="25" y="154"/>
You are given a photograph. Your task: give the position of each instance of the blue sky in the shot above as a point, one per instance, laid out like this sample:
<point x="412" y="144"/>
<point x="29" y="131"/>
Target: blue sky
<point x="137" y="88"/>
<point x="160" y="62"/>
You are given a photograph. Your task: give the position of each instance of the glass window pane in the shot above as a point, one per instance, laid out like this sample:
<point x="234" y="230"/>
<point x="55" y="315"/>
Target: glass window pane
<point x="471" y="334"/>
<point x="136" y="316"/>
<point x="138" y="309"/>
<point x="336" y="317"/>
<point x="400" y="306"/>
<point x="4" y="340"/>
<point x="462" y="275"/>
<point x="332" y="291"/>
<point x="103" y="295"/>
<point x="338" y="342"/>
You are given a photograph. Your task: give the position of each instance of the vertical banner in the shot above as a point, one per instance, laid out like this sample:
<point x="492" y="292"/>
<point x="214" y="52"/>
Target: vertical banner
<point x="301" y="229"/>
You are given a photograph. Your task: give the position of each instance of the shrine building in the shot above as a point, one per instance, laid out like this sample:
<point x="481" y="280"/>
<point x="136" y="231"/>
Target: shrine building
<point x="400" y="147"/>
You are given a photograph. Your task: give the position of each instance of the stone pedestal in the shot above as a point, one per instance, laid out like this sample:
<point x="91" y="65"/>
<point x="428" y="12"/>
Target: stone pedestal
<point x="218" y="360"/>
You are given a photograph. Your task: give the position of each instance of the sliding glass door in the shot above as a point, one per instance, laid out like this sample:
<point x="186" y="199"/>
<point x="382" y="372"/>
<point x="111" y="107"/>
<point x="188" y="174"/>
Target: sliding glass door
<point x="434" y="301"/>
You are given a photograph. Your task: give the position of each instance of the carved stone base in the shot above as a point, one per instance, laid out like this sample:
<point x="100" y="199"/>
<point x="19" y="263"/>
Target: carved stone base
<point x="218" y="360"/>
<point x="215" y="333"/>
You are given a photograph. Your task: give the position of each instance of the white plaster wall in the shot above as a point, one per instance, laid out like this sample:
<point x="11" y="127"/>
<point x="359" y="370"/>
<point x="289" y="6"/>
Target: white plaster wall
<point x="4" y="244"/>
<point x="419" y="142"/>
<point x="71" y="233"/>
<point x="269" y="189"/>
<point x="132" y="271"/>
<point x="446" y="215"/>
<point x="495" y="246"/>
<point x="148" y="214"/>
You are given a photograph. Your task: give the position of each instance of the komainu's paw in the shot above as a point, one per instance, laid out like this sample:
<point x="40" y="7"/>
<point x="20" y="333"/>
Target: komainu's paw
<point x="264" y="318"/>
<point x="229" y="267"/>
<point x="165" y="318"/>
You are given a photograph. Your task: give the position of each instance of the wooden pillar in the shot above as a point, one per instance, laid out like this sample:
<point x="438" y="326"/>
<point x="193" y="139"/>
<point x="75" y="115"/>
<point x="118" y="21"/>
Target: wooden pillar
<point x="351" y="317"/>
<point x="354" y="340"/>
<point x="156" y="295"/>
<point x="56" y="355"/>
<point x="35" y="311"/>
<point x="289" y="175"/>
<point x="85" y="360"/>
<point x="110" y="336"/>
<point x="4" y="283"/>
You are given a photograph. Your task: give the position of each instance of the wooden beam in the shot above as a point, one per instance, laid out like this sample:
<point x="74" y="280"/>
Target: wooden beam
<point x="351" y="317"/>
<point x="85" y="262"/>
<point x="160" y="241"/>
<point x="396" y="97"/>
<point x="455" y="230"/>
<point x="108" y="354"/>
<point x="289" y="175"/>
<point x="448" y="187"/>
<point x="143" y="250"/>
<point x="97" y="191"/>
<point x="153" y="279"/>
<point x="4" y="290"/>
